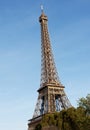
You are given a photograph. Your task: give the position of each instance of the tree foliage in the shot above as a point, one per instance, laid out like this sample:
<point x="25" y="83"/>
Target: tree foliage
<point x="85" y="103"/>
<point x="70" y="119"/>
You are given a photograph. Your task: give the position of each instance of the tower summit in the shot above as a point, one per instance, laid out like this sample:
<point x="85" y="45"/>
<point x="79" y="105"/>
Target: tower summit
<point x="51" y="95"/>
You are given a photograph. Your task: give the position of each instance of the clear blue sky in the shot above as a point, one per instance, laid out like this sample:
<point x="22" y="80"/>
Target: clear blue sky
<point x="20" y="54"/>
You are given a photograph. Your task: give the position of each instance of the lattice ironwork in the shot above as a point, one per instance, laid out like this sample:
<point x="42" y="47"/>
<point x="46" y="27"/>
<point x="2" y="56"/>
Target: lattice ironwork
<point x="51" y="96"/>
<point x="48" y="69"/>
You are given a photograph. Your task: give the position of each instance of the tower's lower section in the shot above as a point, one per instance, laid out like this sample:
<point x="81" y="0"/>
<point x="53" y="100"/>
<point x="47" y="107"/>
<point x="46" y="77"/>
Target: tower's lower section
<point x="51" y="98"/>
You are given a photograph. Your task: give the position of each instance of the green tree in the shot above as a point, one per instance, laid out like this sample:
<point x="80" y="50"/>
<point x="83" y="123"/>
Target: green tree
<point x="85" y="103"/>
<point x="69" y="119"/>
<point x="48" y="120"/>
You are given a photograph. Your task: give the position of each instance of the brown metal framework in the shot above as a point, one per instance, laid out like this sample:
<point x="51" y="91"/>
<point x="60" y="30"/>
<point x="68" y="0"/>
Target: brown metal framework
<point x="51" y="96"/>
<point x="48" y="71"/>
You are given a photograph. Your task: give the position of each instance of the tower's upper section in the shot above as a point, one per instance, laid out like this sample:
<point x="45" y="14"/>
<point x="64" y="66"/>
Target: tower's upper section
<point x="43" y="18"/>
<point x="49" y="73"/>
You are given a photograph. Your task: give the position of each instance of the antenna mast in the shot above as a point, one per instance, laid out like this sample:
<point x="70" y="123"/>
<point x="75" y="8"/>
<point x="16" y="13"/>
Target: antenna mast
<point x="42" y="8"/>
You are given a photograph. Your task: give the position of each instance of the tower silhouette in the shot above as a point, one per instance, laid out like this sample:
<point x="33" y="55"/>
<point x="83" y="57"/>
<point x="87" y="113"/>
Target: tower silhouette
<point x="51" y="94"/>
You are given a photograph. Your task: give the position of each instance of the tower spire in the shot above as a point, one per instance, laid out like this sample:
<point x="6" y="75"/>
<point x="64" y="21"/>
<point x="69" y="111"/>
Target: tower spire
<point x="42" y="9"/>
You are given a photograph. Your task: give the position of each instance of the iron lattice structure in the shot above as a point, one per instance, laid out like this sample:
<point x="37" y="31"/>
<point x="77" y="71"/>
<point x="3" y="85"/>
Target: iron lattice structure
<point x="51" y="96"/>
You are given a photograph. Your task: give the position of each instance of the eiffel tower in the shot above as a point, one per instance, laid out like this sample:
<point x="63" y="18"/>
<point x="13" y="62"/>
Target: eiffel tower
<point x="51" y="94"/>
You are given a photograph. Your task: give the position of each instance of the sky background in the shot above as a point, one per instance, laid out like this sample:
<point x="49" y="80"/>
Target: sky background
<point x="20" y="54"/>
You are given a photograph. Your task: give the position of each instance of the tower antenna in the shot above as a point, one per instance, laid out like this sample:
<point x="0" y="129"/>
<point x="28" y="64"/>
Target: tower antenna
<point x="42" y="8"/>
